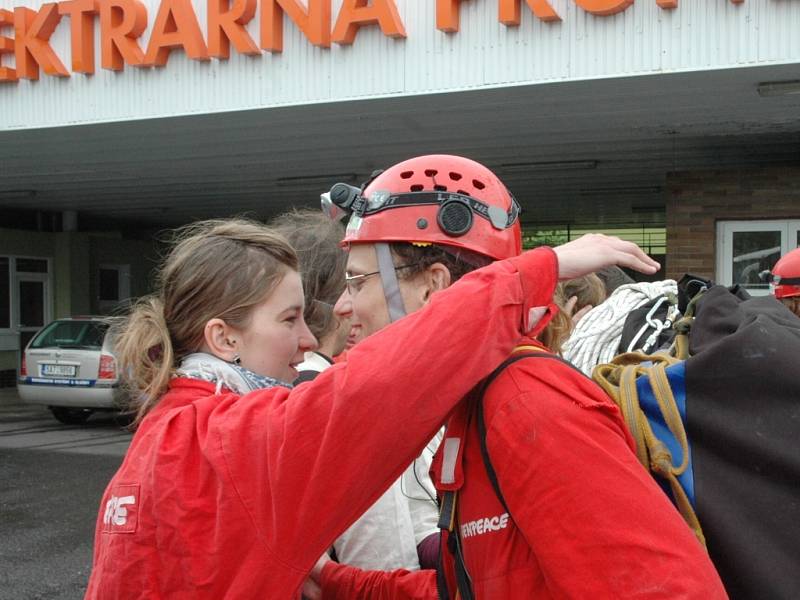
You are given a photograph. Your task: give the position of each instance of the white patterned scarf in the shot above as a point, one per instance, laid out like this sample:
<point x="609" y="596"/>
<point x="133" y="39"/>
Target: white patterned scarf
<point x="207" y="367"/>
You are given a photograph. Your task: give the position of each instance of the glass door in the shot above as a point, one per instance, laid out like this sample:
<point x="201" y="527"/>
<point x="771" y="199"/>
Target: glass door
<point x="33" y="304"/>
<point x="794" y="235"/>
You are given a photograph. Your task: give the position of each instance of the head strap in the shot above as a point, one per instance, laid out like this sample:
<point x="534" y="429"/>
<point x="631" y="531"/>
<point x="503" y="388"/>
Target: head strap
<point x="391" y="287"/>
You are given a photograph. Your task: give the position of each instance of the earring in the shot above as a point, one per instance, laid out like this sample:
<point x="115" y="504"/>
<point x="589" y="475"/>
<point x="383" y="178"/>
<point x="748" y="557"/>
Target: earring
<point x="237" y="360"/>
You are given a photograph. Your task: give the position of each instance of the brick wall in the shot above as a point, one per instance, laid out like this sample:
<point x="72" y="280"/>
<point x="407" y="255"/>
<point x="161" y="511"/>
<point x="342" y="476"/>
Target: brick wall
<point x="697" y="200"/>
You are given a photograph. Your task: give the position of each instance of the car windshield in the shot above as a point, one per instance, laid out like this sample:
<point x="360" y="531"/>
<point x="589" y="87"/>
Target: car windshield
<point x="86" y="335"/>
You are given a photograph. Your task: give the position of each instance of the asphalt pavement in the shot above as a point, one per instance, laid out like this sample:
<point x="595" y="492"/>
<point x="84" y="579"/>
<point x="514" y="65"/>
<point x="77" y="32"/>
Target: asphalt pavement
<point x="51" y="479"/>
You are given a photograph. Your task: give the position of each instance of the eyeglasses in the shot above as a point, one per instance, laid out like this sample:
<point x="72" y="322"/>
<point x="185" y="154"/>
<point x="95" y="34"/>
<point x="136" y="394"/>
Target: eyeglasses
<point x="353" y="283"/>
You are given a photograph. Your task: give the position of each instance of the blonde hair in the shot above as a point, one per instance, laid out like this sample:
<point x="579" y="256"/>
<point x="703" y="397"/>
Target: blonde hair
<point x="792" y="303"/>
<point x="460" y="262"/>
<point x="215" y="269"/>
<point x="589" y="290"/>
<point x="560" y="326"/>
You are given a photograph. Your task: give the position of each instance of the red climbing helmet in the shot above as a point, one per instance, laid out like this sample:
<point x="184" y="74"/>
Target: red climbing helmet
<point x="436" y="199"/>
<point x="785" y="275"/>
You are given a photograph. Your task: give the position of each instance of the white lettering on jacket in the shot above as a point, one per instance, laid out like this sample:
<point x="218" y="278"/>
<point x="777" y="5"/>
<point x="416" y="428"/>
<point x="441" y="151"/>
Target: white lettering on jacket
<point x="116" y="512"/>
<point x="481" y="526"/>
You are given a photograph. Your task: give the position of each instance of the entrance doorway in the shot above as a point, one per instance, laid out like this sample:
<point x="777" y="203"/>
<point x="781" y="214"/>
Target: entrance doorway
<point x="31" y="300"/>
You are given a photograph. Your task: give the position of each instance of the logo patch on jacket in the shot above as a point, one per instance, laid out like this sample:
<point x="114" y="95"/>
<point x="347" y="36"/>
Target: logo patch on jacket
<point x="121" y="511"/>
<point x="487" y="525"/>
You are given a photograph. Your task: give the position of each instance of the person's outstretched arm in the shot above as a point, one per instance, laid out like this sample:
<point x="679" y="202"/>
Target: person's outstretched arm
<point x="307" y="463"/>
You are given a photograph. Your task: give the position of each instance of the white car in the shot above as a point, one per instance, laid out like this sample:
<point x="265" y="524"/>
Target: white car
<point x="69" y="366"/>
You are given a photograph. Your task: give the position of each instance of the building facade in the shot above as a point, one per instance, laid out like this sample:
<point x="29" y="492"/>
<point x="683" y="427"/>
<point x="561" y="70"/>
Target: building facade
<point x="122" y="117"/>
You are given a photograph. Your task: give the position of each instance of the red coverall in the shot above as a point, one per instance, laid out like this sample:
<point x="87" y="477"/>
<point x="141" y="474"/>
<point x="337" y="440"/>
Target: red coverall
<point x="226" y="496"/>
<point x="587" y="520"/>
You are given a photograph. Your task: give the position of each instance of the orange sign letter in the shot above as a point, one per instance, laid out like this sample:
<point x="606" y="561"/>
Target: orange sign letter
<point x="674" y="3"/>
<point x="509" y="11"/>
<point x="32" y="31"/>
<point x="81" y="24"/>
<point x="315" y="23"/>
<point x="175" y="25"/>
<point x="121" y="24"/>
<point x="6" y="46"/>
<point x="226" y="24"/>
<point x="604" y="7"/>
<point x="447" y="15"/>
<point x="357" y="13"/>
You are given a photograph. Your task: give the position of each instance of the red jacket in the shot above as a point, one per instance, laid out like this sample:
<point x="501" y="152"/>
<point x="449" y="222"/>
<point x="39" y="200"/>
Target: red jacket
<point x="226" y="496"/>
<point x="587" y="521"/>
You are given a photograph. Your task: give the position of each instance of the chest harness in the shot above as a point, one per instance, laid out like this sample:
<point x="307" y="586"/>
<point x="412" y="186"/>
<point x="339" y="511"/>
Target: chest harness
<point x="448" y="512"/>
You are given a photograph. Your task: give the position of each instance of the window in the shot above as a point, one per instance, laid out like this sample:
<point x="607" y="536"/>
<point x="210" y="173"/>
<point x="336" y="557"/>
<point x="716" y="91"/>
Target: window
<point x="653" y="240"/>
<point x="71" y="334"/>
<point x="113" y="286"/>
<point x="5" y="293"/>
<point x="746" y="248"/>
<point x="109" y="285"/>
<point x="31" y="265"/>
<point x="21" y="297"/>
<point x="25" y="299"/>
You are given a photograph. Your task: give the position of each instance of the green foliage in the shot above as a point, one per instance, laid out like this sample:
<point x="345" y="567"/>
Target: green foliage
<point x="653" y="240"/>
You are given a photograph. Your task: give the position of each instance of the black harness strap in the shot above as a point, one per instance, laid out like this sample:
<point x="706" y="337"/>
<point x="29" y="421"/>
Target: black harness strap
<point x="448" y="514"/>
<point x="487" y="463"/>
<point x="447" y="521"/>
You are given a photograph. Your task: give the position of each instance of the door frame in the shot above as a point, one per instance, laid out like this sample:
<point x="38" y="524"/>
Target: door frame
<point x="47" y="301"/>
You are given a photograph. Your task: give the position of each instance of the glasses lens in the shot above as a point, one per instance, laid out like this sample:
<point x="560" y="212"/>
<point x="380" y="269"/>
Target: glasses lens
<point x="353" y="285"/>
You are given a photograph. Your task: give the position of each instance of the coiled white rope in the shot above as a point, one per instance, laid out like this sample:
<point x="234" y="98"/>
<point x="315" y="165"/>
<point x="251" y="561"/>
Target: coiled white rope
<point x="596" y="337"/>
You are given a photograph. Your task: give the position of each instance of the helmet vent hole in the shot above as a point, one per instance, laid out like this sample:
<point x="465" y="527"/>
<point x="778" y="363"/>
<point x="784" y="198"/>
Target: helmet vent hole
<point x="407" y="174"/>
<point x="431" y="172"/>
<point x="478" y="184"/>
<point x="417" y="187"/>
<point x="440" y="188"/>
<point x="462" y="192"/>
<point x="455" y="176"/>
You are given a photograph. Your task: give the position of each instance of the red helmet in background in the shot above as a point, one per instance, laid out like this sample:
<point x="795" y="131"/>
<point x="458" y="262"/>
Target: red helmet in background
<point x="437" y="199"/>
<point x="786" y="275"/>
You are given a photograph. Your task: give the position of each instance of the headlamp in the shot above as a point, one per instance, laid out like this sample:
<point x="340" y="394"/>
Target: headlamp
<point x="768" y="277"/>
<point x="340" y="200"/>
<point x="455" y="215"/>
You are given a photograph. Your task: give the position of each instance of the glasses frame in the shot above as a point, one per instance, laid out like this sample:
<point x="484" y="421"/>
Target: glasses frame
<point x="349" y="280"/>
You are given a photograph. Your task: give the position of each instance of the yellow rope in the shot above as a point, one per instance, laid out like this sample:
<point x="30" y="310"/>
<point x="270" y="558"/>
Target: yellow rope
<point x="519" y="349"/>
<point x="618" y="380"/>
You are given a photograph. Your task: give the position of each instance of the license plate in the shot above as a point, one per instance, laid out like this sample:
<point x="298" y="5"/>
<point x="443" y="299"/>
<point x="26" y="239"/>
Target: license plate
<point x="59" y="370"/>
